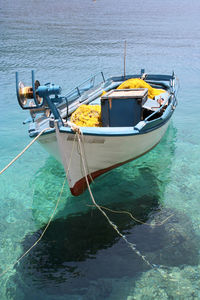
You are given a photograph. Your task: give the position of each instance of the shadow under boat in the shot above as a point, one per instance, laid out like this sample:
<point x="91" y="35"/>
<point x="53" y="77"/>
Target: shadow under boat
<point x="83" y="248"/>
<point x="80" y="250"/>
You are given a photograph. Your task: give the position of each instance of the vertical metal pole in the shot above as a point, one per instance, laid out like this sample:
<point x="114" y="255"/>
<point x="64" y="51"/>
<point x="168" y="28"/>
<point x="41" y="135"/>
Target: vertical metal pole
<point x="78" y="91"/>
<point x="124" y="59"/>
<point x="53" y="108"/>
<point x="103" y="76"/>
<point x="17" y="85"/>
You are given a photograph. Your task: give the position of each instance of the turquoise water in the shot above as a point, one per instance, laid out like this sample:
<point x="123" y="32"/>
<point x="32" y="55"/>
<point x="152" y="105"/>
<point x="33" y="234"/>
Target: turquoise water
<point x="80" y="257"/>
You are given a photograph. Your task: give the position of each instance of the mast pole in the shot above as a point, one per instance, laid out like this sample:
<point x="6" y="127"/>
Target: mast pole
<point x="124" y="59"/>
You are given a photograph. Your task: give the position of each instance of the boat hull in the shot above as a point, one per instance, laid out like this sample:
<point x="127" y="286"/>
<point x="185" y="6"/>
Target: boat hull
<point x="49" y="143"/>
<point x="102" y="153"/>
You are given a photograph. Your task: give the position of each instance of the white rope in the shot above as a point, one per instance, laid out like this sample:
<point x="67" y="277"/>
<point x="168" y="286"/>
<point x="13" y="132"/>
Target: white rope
<point x="50" y="219"/>
<point x="155" y="267"/>
<point x="134" y="218"/>
<point x="24" y="150"/>
<point x="158" y="268"/>
<point x="76" y="128"/>
<point x="131" y="245"/>
<point x="79" y="135"/>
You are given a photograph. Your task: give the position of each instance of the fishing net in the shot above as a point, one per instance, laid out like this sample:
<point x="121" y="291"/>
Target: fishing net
<point x="87" y="116"/>
<point x="90" y="115"/>
<point x="136" y="83"/>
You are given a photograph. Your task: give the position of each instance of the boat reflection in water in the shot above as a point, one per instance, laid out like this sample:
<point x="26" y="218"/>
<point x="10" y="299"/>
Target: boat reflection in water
<point x="80" y="252"/>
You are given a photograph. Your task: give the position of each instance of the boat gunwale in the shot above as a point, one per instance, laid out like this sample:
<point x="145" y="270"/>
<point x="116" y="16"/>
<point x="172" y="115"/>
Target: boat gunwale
<point x="120" y="131"/>
<point x="114" y="131"/>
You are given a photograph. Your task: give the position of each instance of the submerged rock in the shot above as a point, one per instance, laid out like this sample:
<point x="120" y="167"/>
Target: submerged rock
<point x="174" y="243"/>
<point x="173" y="283"/>
<point x="81" y="254"/>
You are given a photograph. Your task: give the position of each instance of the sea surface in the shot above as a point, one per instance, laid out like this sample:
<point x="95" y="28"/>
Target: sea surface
<point x="80" y="256"/>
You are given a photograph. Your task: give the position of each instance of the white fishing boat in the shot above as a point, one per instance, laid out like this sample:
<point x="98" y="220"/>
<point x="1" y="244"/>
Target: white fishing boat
<point x="133" y="114"/>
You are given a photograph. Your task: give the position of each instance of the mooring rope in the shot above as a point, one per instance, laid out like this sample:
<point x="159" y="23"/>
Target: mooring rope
<point x="84" y="155"/>
<point x="114" y="226"/>
<point x="76" y="128"/>
<point x="79" y="135"/>
<point x="24" y="150"/>
<point x="50" y="219"/>
<point x="134" y="218"/>
<point x="158" y="268"/>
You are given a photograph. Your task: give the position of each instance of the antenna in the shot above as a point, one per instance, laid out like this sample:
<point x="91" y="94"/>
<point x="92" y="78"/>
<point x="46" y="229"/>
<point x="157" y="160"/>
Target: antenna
<point x="124" y="59"/>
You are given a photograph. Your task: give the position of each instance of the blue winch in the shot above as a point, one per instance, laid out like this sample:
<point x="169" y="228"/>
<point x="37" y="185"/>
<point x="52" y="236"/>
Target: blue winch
<point x="39" y="96"/>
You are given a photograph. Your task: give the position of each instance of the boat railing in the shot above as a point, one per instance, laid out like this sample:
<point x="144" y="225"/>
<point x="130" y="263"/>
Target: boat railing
<point x="86" y="85"/>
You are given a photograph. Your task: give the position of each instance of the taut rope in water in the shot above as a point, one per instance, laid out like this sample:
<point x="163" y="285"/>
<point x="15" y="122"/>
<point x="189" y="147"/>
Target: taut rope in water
<point x="158" y="268"/>
<point x="24" y="150"/>
<point x="131" y="245"/>
<point x="53" y="213"/>
<point x="134" y="218"/>
<point x="79" y="136"/>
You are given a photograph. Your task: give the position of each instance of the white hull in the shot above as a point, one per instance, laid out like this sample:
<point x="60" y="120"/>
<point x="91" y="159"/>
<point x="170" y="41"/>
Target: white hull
<point x="49" y="143"/>
<point x="103" y="153"/>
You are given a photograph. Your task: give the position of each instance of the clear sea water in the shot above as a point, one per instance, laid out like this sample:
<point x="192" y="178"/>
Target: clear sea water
<point x="81" y="257"/>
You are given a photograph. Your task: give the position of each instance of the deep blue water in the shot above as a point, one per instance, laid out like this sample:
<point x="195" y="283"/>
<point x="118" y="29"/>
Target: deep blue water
<point x="80" y="257"/>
